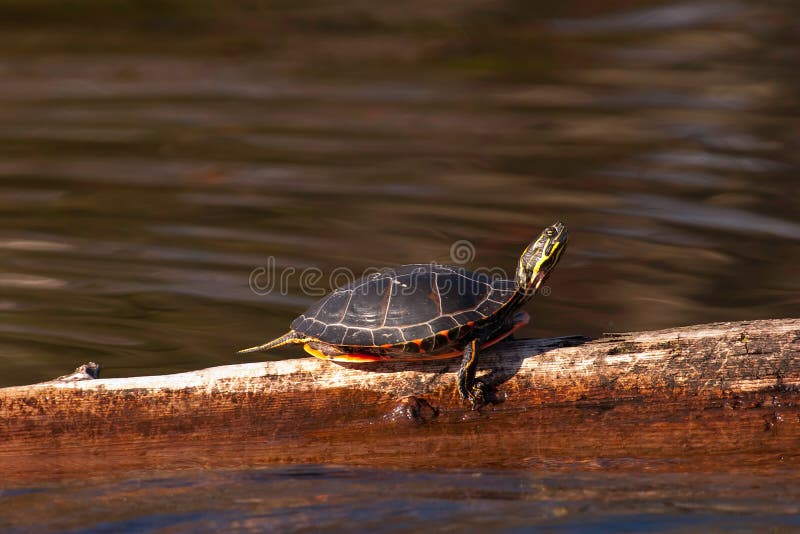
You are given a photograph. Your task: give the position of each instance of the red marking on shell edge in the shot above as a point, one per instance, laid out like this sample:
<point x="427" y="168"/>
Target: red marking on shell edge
<point x="521" y="319"/>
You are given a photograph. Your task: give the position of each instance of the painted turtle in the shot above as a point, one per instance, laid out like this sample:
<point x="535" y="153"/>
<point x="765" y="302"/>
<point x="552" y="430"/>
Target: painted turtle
<point x="425" y="311"/>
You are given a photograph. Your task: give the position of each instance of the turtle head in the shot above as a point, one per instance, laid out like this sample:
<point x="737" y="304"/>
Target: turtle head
<point x="541" y="257"/>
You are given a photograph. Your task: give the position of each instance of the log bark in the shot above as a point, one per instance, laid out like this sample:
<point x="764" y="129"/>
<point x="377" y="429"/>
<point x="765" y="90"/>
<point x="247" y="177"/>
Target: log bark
<point x="723" y="392"/>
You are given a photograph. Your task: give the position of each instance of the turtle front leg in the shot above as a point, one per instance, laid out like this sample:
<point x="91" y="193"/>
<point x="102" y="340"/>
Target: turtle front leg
<point x="471" y="389"/>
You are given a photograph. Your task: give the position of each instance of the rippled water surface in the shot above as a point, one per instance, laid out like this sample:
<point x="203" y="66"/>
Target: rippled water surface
<point x="152" y="159"/>
<point x="140" y="189"/>
<point x="314" y="498"/>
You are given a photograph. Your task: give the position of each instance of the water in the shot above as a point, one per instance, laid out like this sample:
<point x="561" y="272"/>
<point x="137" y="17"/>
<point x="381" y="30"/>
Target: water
<point x="149" y="167"/>
<point x="326" y="498"/>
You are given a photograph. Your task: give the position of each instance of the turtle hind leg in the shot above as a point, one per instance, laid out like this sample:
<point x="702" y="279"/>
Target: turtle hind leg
<point x="289" y="337"/>
<point x="473" y="390"/>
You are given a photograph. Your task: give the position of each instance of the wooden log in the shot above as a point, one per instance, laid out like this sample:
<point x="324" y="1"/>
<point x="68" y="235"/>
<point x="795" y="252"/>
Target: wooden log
<point x="727" y="392"/>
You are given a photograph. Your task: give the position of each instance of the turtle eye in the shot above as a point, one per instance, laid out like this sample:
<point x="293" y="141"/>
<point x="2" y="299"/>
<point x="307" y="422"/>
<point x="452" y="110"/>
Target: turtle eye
<point x="550" y="232"/>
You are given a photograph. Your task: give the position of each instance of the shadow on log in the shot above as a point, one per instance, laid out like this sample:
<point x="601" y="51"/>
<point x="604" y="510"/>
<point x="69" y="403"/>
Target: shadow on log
<point x="707" y="397"/>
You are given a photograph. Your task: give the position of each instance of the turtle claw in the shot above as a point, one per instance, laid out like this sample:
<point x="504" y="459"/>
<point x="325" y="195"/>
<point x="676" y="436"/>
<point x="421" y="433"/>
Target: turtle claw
<point x="479" y="395"/>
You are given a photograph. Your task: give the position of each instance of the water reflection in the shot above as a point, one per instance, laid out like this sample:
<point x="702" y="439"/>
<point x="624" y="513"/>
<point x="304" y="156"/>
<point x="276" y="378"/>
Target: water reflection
<point x="332" y="499"/>
<point x="140" y="189"/>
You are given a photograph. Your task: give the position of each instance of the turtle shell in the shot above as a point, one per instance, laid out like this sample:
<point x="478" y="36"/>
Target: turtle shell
<point x="432" y="305"/>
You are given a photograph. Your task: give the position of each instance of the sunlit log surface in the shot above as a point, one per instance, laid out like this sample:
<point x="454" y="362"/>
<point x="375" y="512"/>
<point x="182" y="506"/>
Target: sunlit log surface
<point x="697" y="397"/>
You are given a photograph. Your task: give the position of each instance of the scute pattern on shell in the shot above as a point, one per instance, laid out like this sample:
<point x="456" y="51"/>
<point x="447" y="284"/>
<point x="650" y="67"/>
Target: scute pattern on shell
<point x="404" y="304"/>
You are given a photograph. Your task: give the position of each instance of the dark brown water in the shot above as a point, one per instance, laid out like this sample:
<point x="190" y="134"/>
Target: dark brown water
<point x="139" y="190"/>
<point x="156" y="160"/>
<point x="319" y="498"/>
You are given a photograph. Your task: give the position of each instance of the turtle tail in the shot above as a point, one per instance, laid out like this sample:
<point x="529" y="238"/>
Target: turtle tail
<point x="289" y="337"/>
